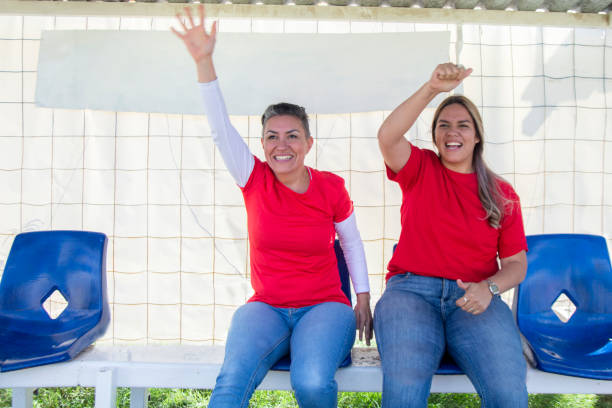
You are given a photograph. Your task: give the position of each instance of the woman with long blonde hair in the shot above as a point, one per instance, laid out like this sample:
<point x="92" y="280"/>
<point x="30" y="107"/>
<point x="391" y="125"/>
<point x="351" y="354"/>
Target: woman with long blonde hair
<point x="444" y="279"/>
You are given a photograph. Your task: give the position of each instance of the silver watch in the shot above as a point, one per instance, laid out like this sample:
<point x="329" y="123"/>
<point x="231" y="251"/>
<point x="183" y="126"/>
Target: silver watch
<point x="493" y="288"/>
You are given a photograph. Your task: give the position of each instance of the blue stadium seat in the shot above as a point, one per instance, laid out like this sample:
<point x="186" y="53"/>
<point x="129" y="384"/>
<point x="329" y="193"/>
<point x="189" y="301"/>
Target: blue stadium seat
<point x="285" y="362"/>
<point x="577" y="266"/>
<point x="39" y="264"/>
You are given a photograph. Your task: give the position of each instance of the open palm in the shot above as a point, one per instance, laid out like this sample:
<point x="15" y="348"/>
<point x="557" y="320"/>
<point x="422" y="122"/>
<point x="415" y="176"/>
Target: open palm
<point x="199" y="43"/>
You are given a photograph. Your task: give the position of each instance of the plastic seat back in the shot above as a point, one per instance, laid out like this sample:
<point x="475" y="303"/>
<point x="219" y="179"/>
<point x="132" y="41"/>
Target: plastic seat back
<point x="577" y="267"/>
<point x="40" y="264"/>
<point x="285" y="362"/>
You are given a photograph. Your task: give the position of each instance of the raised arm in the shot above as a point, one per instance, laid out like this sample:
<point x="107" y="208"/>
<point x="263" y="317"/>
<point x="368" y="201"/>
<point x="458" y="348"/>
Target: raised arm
<point x="394" y="146"/>
<point x="200" y="44"/>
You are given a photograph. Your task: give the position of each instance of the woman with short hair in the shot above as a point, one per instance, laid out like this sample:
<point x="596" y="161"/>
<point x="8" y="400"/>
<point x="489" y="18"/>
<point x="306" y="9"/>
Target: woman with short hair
<point x="294" y="213"/>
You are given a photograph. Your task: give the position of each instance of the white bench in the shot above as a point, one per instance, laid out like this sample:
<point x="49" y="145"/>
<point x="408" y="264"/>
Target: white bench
<point x="143" y="367"/>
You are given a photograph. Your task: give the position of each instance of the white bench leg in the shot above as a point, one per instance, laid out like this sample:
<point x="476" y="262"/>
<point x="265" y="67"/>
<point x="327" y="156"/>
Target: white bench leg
<point x="22" y="397"/>
<point x="139" y="397"/>
<point x="106" y="390"/>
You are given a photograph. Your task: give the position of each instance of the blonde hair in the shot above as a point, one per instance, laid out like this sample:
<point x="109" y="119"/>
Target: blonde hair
<point x="491" y="198"/>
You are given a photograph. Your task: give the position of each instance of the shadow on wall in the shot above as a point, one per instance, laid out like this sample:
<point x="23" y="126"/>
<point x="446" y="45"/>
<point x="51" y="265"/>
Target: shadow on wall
<point x="570" y="92"/>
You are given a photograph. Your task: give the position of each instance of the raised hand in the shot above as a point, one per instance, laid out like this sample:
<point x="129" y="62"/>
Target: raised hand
<point x="199" y="43"/>
<point x="447" y="77"/>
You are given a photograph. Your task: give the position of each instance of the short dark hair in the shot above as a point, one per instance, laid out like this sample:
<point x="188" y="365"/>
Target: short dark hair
<point x="289" y="109"/>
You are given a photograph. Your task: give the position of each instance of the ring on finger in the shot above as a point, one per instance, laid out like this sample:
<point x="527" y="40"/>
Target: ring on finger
<point x="465" y="300"/>
<point x="471" y="310"/>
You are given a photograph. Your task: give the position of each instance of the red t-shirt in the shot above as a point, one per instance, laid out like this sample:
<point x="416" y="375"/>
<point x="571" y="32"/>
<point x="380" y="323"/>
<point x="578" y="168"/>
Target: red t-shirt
<point x="444" y="233"/>
<point x="293" y="263"/>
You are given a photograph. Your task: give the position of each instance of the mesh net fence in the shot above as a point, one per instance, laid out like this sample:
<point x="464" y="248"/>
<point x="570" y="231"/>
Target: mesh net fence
<point x="178" y="247"/>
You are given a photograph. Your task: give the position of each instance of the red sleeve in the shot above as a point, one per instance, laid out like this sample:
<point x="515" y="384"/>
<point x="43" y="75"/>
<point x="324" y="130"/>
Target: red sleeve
<point x="256" y="174"/>
<point x="342" y="206"/>
<point x="408" y="175"/>
<point x="512" y="235"/>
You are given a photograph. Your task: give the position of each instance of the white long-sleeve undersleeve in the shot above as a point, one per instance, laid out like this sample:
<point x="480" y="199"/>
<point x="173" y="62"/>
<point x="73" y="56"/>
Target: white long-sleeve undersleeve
<point x="236" y="154"/>
<point x="354" y="254"/>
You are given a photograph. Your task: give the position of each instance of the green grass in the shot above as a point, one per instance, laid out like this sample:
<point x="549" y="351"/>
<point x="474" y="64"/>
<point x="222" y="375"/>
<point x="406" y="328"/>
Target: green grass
<point x="5" y="398"/>
<point x="80" y="397"/>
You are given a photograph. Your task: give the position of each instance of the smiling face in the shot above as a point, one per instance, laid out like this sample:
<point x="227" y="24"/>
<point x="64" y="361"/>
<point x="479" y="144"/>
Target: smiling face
<point x="285" y="145"/>
<point x="456" y="137"/>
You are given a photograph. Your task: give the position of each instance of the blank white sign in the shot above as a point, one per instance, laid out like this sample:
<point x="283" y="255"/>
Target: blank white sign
<point x="149" y="71"/>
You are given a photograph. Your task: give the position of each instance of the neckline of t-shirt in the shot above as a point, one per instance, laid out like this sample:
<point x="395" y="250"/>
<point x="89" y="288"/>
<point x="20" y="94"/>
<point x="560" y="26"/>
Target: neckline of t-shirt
<point x="458" y="173"/>
<point x="295" y="192"/>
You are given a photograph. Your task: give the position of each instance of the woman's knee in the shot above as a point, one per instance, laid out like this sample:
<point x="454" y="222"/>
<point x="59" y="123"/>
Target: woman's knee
<point x="312" y="387"/>
<point x="501" y="381"/>
<point x="505" y="395"/>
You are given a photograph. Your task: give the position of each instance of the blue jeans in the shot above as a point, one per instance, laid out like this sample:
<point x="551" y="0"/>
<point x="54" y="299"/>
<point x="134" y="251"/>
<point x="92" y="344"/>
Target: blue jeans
<point x="416" y="319"/>
<point x="318" y="336"/>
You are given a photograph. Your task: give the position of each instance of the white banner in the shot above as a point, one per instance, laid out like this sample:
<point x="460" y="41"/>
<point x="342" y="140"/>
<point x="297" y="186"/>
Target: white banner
<point x="138" y="71"/>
